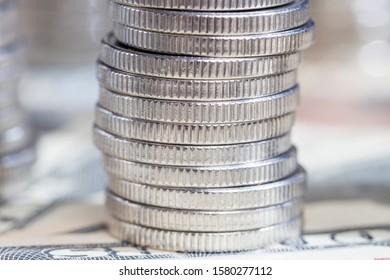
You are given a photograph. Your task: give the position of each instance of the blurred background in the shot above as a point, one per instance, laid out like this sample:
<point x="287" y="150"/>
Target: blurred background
<point x="342" y="134"/>
<point x="343" y="123"/>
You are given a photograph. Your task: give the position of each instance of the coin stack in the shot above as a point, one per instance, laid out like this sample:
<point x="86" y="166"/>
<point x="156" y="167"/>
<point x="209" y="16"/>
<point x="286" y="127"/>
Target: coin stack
<point x="196" y="105"/>
<point x="16" y="151"/>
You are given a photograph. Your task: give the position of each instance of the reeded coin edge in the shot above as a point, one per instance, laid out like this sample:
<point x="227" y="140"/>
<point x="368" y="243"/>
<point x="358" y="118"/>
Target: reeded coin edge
<point x="277" y="43"/>
<point x="196" y="90"/>
<point x="204" y="242"/>
<point x="196" y="112"/>
<point x="216" y="5"/>
<point x="213" y="199"/>
<point x="205" y="177"/>
<point x="113" y="54"/>
<point x="188" y="155"/>
<point x="206" y="134"/>
<point x="281" y="18"/>
<point x="203" y="221"/>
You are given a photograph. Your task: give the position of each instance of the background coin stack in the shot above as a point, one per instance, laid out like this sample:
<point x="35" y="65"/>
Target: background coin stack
<point x="196" y="106"/>
<point x="16" y="151"/>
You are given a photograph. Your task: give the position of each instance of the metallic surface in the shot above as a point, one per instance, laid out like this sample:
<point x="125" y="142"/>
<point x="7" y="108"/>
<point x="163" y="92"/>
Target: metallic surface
<point x="191" y="89"/>
<point x="204" y="241"/>
<point x="202" y="5"/>
<point x="113" y="54"/>
<point x="278" y="43"/>
<point x="212" y="23"/>
<point x="201" y="221"/>
<point x="186" y="155"/>
<point x="193" y="134"/>
<point x="217" y="199"/>
<point x="266" y="171"/>
<point x="200" y="112"/>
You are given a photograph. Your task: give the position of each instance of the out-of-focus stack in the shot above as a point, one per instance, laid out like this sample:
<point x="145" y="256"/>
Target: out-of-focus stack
<point x="196" y="105"/>
<point x="16" y="151"/>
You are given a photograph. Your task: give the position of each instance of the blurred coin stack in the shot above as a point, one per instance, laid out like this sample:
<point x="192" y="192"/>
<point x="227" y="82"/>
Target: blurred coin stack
<point x="196" y="105"/>
<point x="16" y="151"/>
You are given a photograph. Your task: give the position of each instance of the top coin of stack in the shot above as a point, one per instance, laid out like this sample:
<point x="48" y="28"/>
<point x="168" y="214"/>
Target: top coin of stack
<point x="196" y="105"/>
<point x="16" y="152"/>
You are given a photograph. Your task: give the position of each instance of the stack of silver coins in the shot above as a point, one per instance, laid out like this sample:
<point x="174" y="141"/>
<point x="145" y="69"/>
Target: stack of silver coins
<point x="16" y="151"/>
<point x="196" y="105"/>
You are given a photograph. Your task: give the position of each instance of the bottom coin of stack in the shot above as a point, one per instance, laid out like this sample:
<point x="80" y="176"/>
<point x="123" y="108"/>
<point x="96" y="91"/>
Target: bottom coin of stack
<point x="16" y="137"/>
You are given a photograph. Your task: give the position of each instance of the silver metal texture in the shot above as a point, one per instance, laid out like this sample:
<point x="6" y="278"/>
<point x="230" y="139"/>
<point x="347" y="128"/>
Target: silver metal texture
<point x="260" y="172"/>
<point x="216" y="199"/>
<point x="212" y="23"/>
<point x="200" y="112"/>
<point x="185" y="155"/>
<point x="193" y="134"/>
<point x="195" y="90"/>
<point x="117" y="56"/>
<point x="204" y="241"/>
<point x="278" y="43"/>
<point x="201" y="221"/>
<point x="202" y="5"/>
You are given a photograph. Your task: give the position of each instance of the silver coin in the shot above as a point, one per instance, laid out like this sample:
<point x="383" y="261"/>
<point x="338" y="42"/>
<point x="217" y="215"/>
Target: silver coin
<point x="217" y="199"/>
<point x="210" y="22"/>
<point x="266" y="171"/>
<point x="11" y="164"/>
<point x="198" y="112"/>
<point x="193" y="134"/>
<point x="283" y="42"/>
<point x="182" y="155"/>
<point x="201" y="221"/>
<point x="202" y="5"/>
<point x="115" y="55"/>
<point x="196" y="90"/>
<point x="15" y="138"/>
<point x="204" y="241"/>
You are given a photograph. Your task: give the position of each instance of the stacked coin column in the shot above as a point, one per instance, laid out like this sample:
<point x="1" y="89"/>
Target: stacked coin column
<point x="16" y="151"/>
<point x="196" y="105"/>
